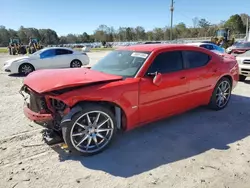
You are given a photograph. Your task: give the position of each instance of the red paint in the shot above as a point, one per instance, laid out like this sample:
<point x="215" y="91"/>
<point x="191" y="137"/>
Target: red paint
<point x="141" y="100"/>
<point x="53" y="79"/>
<point x="239" y="50"/>
<point x="36" y="116"/>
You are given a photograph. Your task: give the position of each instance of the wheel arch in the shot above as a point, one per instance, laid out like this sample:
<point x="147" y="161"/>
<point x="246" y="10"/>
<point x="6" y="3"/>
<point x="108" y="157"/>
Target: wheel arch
<point x="75" y="59"/>
<point x="228" y="77"/>
<point x="27" y="63"/>
<point x="117" y="110"/>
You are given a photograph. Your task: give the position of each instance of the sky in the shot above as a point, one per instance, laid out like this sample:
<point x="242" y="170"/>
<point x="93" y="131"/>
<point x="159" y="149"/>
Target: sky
<point x="78" y="16"/>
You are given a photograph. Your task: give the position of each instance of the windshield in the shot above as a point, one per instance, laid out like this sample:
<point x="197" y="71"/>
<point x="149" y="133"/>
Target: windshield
<point x="39" y="52"/>
<point x="121" y="62"/>
<point x="242" y="45"/>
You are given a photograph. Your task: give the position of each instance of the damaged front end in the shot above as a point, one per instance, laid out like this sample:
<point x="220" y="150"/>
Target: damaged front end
<point x="45" y="110"/>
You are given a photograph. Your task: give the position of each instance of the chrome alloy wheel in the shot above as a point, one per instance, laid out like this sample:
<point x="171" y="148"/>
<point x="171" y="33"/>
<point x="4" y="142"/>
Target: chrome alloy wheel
<point x="76" y="64"/>
<point x="223" y="93"/>
<point x="26" y="69"/>
<point x="92" y="131"/>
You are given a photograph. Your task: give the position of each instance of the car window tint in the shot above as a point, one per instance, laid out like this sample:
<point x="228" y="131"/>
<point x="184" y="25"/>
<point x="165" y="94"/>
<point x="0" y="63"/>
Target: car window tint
<point x="48" y="53"/>
<point x="167" y="62"/>
<point x="63" y="52"/>
<point x="207" y="46"/>
<point x="195" y="59"/>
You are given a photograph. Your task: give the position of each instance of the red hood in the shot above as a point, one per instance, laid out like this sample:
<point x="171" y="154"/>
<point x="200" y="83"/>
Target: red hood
<point x="54" y="79"/>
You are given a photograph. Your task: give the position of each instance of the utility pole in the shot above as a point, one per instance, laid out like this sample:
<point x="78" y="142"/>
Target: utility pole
<point x="247" y="30"/>
<point x="172" y="11"/>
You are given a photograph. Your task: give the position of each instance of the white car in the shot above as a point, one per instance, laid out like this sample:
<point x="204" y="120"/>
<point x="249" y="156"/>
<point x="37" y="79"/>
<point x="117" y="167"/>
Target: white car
<point x="47" y="58"/>
<point x="244" y="65"/>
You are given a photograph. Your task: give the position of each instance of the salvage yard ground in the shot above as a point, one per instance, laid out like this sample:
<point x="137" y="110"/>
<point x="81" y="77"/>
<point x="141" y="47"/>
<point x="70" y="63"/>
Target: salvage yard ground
<point x="198" y="149"/>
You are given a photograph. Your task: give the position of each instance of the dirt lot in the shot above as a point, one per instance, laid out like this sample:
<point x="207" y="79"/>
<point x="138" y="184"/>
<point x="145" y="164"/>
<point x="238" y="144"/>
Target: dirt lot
<point x="201" y="148"/>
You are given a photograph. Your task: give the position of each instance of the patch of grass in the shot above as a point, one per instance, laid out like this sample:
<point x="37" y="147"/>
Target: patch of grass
<point x="4" y="50"/>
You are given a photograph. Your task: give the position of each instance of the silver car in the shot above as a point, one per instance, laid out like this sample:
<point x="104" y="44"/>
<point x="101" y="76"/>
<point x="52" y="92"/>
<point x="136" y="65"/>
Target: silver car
<point x="244" y="65"/>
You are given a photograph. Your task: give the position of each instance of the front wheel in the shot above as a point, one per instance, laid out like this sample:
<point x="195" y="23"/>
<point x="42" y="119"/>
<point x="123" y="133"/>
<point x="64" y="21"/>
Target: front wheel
<point x="90" y="131"/>
<point x="25" y="69"/>
<point x="221" y="94"/>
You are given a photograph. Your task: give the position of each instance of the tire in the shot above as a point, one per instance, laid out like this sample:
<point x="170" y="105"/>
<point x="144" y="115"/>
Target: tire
<point x="223" y="94"/>
<point x="90" y="133"/>
<point x="242" y="78"/>
<point x="75" y="63"/>
<point x="25" y="69"/>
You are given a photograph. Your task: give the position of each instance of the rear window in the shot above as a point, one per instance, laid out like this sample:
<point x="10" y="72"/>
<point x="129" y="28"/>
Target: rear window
<point x="195" y="59"/>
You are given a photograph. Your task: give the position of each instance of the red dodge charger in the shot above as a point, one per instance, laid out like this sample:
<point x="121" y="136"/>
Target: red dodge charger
<point x="129" y="87"/>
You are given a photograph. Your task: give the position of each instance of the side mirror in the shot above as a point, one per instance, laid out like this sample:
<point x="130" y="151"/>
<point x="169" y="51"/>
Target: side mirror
<point x="157" y="78"/>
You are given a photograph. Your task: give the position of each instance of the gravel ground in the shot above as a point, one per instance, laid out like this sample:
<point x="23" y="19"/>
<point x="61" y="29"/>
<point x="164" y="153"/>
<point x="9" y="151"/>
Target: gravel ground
<point x="201" y="148"/>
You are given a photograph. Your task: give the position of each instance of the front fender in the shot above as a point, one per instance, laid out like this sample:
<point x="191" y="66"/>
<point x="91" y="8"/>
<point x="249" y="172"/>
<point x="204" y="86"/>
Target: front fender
<point x="71" y="113"/>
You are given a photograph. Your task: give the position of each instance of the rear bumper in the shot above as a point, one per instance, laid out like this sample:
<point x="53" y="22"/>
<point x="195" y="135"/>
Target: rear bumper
<point x="36" y="116"/>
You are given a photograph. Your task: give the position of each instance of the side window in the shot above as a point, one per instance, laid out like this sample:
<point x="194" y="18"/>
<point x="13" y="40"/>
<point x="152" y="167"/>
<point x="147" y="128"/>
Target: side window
<point x="167" y="62"/>
<point x="207" y="46"/>
<point x="47" y="54"/>
<point x="63" y="52"/>
<point x="195" y="59"/>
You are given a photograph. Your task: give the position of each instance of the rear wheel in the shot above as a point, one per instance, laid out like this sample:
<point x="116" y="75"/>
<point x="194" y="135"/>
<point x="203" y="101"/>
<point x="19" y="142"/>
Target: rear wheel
<point x="221" y="94"/>
<point x="26" y="68"/>
<point x="90" y="131"/>
<point x="76" y="63"/>
<point x="242" y="78"/>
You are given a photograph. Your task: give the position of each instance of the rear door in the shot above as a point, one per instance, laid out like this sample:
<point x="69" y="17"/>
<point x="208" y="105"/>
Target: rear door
<point x="199" y="71"/>
<point x="63" y="58"/>
<point x="169" y="97"/>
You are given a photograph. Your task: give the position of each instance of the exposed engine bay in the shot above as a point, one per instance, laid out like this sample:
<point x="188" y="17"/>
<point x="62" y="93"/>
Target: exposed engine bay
<point x="42" y="104"/>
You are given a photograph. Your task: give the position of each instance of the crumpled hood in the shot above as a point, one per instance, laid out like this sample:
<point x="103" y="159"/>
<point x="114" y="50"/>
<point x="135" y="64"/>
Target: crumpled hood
<point x="53" y="79"/>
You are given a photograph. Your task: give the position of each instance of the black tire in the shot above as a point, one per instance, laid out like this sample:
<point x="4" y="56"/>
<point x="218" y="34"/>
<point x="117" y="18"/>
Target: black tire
<point x="25" y="69"/>
<point x="242" y="78"/>
<point x="87" y="132"/>
<point x="214" y="98"/>
<point x="75" y="63"/>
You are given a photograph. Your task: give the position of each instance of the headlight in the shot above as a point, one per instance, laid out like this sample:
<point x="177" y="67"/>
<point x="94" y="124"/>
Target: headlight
<point x="58" y="105"/>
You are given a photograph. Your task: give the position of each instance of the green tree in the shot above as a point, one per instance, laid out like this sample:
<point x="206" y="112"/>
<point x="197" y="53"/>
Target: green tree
<point x="235" y="24"/>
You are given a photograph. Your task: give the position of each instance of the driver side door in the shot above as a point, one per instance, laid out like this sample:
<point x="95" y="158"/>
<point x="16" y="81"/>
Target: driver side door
<point x="169" y="97"/>
<point x="47" y="59"/>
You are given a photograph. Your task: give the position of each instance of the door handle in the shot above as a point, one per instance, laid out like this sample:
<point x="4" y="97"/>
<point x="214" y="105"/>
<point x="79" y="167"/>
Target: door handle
<point x="183" y="77"/>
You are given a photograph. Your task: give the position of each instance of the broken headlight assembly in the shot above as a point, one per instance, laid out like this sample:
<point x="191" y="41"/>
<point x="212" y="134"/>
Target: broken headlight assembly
<point x="57" y="105"/>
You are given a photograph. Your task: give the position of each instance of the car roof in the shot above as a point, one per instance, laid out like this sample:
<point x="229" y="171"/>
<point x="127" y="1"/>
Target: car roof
<point x="199" y="43"/>
<point x="64" y="48"/>
<point x="153" y="47"/>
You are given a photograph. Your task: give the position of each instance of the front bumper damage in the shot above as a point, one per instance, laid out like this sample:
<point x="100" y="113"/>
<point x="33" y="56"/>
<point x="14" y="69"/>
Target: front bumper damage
<point x="36" y="110"/>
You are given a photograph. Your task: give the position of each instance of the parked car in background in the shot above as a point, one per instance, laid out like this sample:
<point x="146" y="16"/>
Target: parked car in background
<point x="47" y="58"/>
<point x="209" y="46"/>
<point x="129" y="87"/>
<point x="238" y="48"/>
<point x="244" y="65"/>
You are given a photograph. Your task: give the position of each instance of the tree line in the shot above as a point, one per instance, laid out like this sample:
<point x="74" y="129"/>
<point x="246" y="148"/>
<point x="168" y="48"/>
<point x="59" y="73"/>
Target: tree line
<point x="201" y="28"/>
